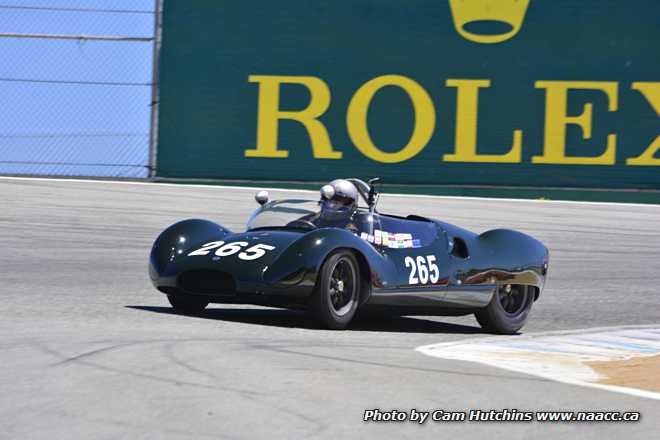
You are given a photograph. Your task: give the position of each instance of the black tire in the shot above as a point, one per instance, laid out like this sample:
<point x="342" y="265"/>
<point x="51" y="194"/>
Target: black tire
<point x="336" y="295"/>
<point x="508" y="310"/>
<point x="183" y="303"/>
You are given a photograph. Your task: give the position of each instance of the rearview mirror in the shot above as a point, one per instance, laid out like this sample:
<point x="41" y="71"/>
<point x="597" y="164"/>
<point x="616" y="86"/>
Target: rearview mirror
<point x="261" y="197"/>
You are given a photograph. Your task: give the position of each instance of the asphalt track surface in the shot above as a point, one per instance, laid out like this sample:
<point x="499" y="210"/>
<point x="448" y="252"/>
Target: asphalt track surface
<point x="88" y="349"/>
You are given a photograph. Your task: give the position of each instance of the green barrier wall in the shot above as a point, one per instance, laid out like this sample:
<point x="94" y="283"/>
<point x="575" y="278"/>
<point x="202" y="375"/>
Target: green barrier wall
<point x="483" y="92"/>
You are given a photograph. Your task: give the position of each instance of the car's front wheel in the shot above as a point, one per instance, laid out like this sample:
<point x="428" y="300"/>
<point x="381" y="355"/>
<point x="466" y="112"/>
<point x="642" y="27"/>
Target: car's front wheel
<point x="187" y="303"/>
<point x="508" y="310"/>
<point x="336" y="296"/>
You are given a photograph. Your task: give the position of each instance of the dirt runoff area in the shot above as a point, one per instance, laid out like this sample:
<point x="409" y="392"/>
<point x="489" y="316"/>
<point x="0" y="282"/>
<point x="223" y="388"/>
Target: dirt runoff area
<point x="640" y="372"/>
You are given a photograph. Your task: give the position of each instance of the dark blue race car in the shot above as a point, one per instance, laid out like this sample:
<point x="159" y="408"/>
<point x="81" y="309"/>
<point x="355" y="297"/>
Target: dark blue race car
<point x="338" y="254"/>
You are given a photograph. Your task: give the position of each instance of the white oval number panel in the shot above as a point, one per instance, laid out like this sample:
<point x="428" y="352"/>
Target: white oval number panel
<point x="224" y="250"/>
<point x="422" y="269"/>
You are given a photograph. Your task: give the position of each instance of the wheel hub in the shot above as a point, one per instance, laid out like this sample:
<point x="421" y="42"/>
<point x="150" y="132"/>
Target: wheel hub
<point x="342" y="287"/>
<point x="512" y="298"/>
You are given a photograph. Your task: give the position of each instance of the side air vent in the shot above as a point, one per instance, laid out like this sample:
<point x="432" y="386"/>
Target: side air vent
<point x="459" y="249"/>
<point x="207" y="282"/>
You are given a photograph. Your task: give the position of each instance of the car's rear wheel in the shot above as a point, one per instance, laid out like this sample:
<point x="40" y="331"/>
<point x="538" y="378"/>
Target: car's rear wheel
<point x="508" y="310"/>
<point x="187" y="303"/>
<point x="336" y="296"/>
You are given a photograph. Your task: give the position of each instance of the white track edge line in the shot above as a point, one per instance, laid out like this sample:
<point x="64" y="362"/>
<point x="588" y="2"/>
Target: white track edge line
<point x="253" y="188"/>
<point x="614" y="388"/>
<point x="579" y="331"/>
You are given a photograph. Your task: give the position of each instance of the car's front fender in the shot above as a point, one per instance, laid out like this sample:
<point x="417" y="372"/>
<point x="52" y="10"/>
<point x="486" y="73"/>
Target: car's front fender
<point x="305" y="257"/>
<point x="177" y="240"/>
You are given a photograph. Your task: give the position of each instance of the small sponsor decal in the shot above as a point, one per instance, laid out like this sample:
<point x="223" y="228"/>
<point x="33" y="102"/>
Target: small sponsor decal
<point x="364" y="236"/>
<point x="378" y="239"/>
<point x="370" y="238"/>
<point x="400" y="240"/>
<point x="386" y="239"/>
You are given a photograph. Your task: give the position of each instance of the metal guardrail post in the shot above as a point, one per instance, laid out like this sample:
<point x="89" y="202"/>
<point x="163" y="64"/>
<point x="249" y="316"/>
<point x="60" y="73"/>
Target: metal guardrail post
<point x="153" y="130"/>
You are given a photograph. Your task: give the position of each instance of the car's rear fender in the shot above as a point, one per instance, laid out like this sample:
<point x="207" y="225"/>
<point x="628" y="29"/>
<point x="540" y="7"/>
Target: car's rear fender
<point x="517" y="258"/>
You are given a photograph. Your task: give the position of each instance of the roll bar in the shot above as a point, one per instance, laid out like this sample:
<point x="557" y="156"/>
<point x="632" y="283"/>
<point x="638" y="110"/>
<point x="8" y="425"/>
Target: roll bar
<point x="367" y="190"/>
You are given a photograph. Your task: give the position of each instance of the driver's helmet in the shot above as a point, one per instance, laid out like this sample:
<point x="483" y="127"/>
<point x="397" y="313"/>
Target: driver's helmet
<point x="339" y="200"/>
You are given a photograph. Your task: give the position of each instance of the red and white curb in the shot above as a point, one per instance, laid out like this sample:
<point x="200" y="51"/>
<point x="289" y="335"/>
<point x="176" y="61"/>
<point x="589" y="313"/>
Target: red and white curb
<point x="560" y="356"/>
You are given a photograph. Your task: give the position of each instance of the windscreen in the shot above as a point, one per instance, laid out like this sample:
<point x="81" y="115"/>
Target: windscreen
<point x="280" y="213"/>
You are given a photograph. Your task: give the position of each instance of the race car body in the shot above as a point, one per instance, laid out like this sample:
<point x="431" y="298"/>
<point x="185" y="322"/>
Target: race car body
<point x="294" y="254"/>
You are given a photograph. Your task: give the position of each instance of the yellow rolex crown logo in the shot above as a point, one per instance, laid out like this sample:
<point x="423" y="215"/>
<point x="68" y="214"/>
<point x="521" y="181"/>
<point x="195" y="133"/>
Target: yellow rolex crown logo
<point x="488" y="21"/>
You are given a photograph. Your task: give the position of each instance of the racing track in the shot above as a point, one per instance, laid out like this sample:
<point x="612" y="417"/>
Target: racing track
<point x="88" y="349"/>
